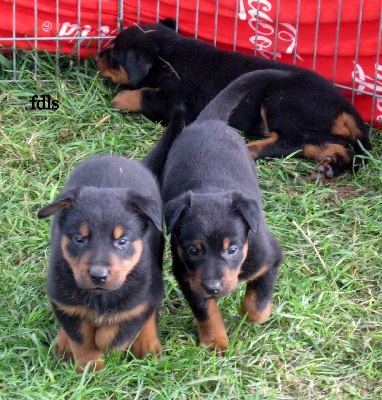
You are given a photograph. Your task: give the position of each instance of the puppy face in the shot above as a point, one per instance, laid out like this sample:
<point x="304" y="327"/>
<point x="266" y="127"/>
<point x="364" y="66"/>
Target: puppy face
<point x="211" y="240"/>
<point x="110" y="68"/>
<point x="101" y="260"/>
<point x="101" y="236"/>
<point x="129" y="58"/>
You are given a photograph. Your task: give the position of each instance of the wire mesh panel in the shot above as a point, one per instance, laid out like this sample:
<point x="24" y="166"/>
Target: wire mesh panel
<point x="339" y="39"/>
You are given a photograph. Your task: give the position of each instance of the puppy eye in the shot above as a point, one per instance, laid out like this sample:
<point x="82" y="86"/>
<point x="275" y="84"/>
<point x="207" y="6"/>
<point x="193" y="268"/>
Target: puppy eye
<point x="121" y="242"/>
<point x="192" y="251"/>
<point x="232" y="250"/>
<point x="79" y="239"/>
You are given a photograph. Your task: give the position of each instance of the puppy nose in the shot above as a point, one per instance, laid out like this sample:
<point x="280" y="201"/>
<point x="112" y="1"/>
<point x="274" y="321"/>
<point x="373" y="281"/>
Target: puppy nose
<point x="212" y="286"/>
<point x="98" y="274"/>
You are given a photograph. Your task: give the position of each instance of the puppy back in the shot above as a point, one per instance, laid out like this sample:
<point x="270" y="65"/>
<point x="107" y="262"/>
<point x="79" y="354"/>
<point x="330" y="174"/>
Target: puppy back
<point x="222" y="106"/>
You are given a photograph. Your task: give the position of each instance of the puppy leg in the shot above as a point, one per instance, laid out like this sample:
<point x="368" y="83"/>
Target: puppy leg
<point x="155" y="104"/>
<point x="211" y="329"/>
<point x="78" y="335"/>
<point x="212" y="332"/>
<point x="272" y="146"/>
<point x="257" y="300"/>
<point x="86" y="351"/>
<point x="333" y="159"/>
<point x="147" y="341"/>
<point x="62" y="347"/>
<point x="130" y="100"/>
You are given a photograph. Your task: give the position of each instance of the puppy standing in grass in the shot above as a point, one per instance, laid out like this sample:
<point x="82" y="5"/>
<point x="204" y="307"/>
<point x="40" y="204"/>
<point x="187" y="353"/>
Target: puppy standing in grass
<point x="105" y="274"/>
<point x="213" y="210"/>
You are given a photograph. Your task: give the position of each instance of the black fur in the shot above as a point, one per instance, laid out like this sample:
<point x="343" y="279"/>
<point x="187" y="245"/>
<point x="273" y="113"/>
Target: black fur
<point x="105" y="273"/>
<point x="303" y="109"/>
<point x="213" y="210"/>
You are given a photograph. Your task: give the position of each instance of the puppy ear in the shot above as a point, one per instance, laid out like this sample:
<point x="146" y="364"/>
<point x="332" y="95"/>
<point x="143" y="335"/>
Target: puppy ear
<point x="175" y="208"/>
<point x="148" y="207"/>
<point x="63" y="200"/>
<point x="169" y="22"/>
<point x="248" y="209"/>
<point x="137" y="65"/>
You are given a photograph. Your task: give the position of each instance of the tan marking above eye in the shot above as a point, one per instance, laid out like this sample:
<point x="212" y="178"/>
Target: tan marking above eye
<point x="226" y="243"/>
<point x="84" y="230"/>
<point x="198" y="244"/>
<point x="118" y="232"/>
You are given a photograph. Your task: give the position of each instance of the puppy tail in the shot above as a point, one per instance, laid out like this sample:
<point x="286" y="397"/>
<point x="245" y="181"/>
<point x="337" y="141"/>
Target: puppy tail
<point x="156" y="159"/>
<point x="222" y="106"/>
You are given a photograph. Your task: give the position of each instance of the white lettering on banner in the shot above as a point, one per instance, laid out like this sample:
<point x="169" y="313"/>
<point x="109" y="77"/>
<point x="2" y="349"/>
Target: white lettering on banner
<point x="242" y="13"/>
<point x="263" y="26"/>
<point x="68" y="29"/>
<point x="368" y="84"/>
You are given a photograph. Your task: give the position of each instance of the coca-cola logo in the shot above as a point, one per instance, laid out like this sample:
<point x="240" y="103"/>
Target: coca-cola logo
<point x="367" y="83"/>
<point x="84" y="31"/>
<point x="264" y="28"/>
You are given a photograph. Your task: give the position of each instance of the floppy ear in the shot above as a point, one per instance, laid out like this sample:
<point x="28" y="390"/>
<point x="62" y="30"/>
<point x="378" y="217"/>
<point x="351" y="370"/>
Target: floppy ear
<point x="248" y="209"/>
<point x="175" y="208"/>
<point x="137" y="65"/>
<point x="149" y="207"/>
<point x="63" y="200"/>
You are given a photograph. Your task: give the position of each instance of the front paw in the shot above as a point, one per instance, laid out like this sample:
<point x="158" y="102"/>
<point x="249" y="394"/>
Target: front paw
<point x="212" y="332"/>
<point x="128" y="100"/>
<point x="62" y="347"/>
<point x="94" y="365"/>
<point x="141" y="348"/>
<point x="255" y="314"/>
<point x="217" y="343"/>
<point x="147" y="341"/>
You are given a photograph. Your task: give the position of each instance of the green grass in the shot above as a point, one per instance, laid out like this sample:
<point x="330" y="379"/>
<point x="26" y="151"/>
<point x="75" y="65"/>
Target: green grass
<point x="324" y="339"/>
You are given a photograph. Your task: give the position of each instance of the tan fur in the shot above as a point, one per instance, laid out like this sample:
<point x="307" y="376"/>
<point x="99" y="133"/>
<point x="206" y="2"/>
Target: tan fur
<point x="147" y="341"/>
<point x="249" y="307"/>
<point x="129" y="100"/>
<point x="212" y="333"/>
<point x="345" y="125"/>
<point x="108" y="318"/>
<point x="256" y="147"/>
<point x="118" y="271"/>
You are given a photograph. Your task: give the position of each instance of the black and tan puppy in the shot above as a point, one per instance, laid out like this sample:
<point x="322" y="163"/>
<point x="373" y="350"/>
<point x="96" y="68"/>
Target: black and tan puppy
<point x="213" y="210"/>
<point x="105" y="273"/>
<point x="300" y="112"/>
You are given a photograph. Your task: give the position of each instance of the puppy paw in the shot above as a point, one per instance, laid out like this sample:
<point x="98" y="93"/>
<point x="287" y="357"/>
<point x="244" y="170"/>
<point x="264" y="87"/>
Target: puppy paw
<point x="141" y="348"/>
<point x="324" y="170"/>
<point x="62" y="347"/>
<point x="94" y="365"/>
<point x="250" y="307"/>
<point x="217" y="343"/>
<point x="147" y="341"/>
<point x="128" y="100"/>
<point x="255" y="315"/>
